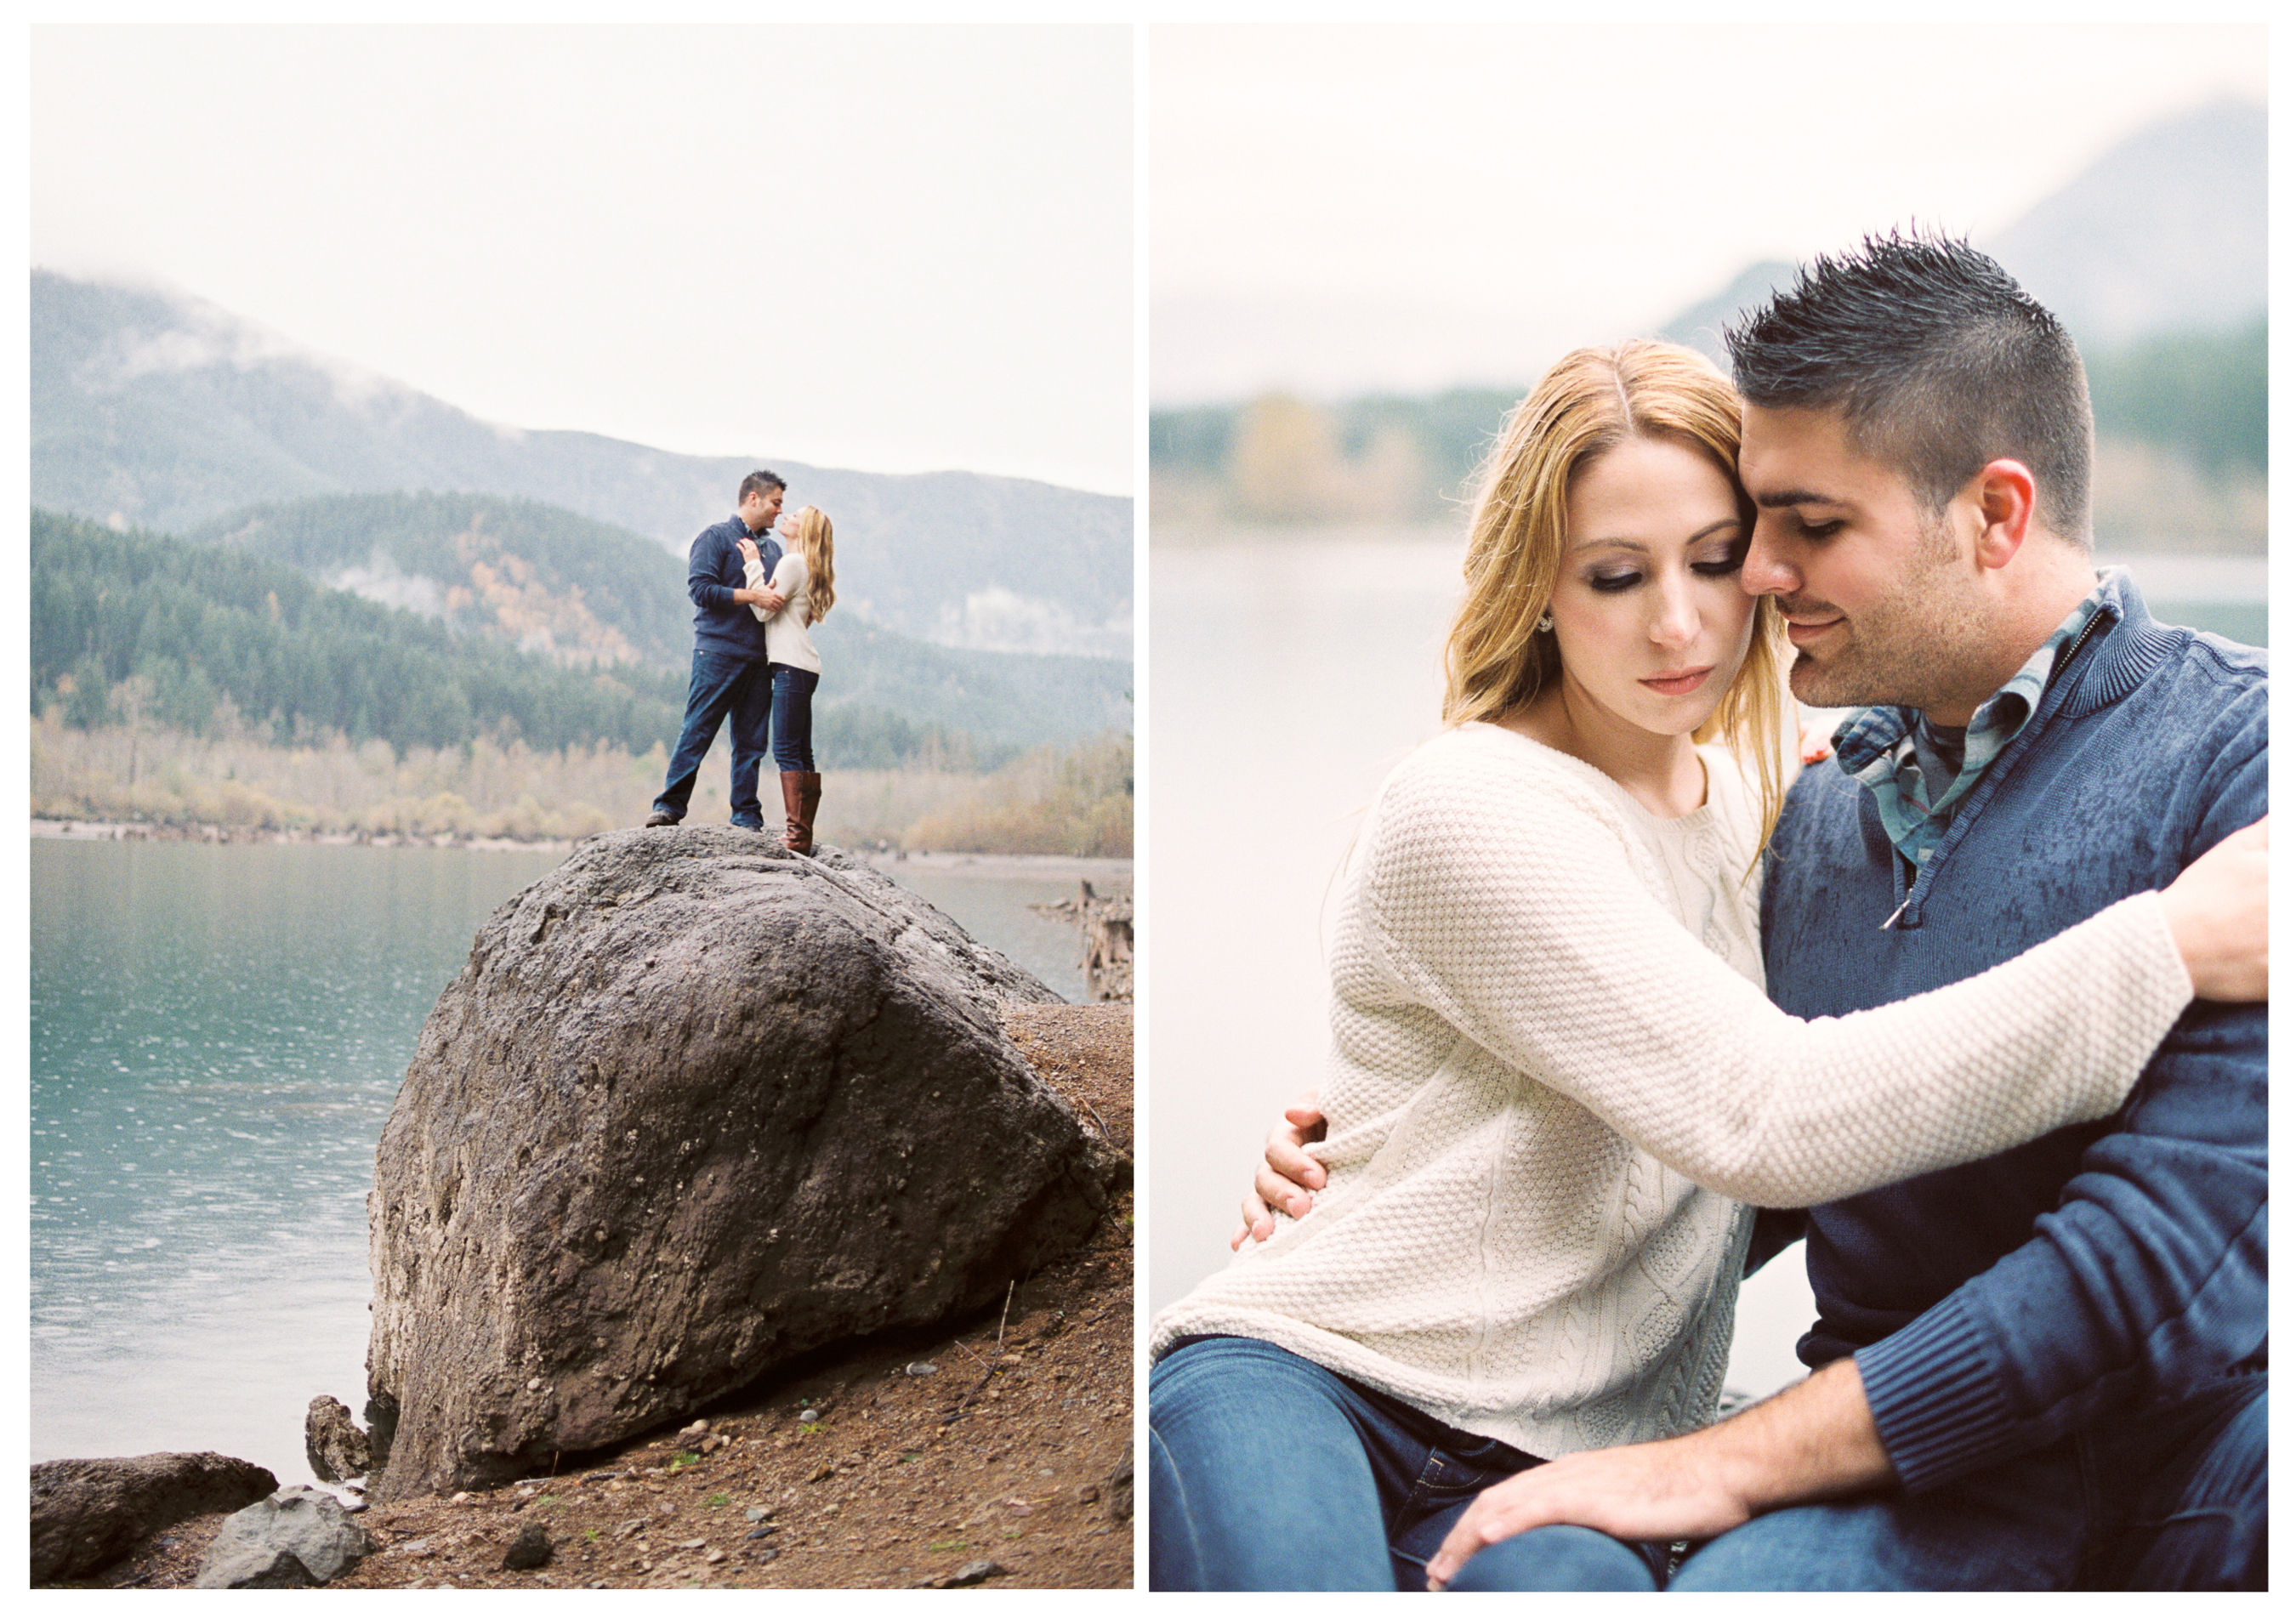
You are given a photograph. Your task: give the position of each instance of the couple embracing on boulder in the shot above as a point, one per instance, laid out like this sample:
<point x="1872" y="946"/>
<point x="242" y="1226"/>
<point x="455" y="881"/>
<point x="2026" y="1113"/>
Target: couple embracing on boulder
<point x="753" y="655"/>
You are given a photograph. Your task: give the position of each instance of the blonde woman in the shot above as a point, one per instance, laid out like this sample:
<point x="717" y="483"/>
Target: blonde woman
<point x="1554" y="1076"/>
<point x="805" y="586"/>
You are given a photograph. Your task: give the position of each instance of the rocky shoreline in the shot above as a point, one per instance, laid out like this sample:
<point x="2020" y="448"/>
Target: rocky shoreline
<point x="700" y="1128"/>
<point x="993" y="1450"/>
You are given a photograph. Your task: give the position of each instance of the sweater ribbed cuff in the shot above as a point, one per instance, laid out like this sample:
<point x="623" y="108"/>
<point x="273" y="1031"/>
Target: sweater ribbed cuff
<point x="1935" y="1397"/>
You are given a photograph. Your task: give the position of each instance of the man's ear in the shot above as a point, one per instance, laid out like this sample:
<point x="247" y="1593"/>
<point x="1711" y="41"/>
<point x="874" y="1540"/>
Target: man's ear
<point x="2006" y="499"/>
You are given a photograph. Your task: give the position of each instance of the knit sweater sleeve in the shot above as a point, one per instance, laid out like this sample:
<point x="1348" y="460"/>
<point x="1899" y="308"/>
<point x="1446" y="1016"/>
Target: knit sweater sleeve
<point x="1512" y="910"/>
<point x="753" y="579"/>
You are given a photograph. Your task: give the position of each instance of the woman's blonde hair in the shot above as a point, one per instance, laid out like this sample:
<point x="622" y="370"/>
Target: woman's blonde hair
<point x="812" y="539"/>
<point x="1496" y="660"/>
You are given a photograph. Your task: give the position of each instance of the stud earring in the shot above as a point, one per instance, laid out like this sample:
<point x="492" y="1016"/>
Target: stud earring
<point x="1546" y="623"/>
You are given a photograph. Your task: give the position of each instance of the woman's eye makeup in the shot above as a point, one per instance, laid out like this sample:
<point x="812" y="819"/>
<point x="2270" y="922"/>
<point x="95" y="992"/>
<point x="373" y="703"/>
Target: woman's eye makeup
<point x="1728" y="558"/>
<point x="1613" y="580"/>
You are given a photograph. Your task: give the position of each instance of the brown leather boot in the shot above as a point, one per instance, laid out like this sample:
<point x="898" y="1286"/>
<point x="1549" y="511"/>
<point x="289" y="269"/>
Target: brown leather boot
<point x="797" y="835"/>
<point x="799" y="838"/>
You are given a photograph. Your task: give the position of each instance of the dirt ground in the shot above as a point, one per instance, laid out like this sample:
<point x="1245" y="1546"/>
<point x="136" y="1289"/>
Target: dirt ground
<point x="994" y="1451"/>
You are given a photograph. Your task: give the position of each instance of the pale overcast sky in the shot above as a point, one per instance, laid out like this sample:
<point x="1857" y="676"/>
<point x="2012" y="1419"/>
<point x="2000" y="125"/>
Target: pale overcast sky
<point x="1346" y="208"/>
<point x="884" y="248"/>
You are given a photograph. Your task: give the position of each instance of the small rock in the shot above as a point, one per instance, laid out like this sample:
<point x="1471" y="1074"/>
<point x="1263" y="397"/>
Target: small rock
<point x="337" y="1448"/>
<point x="713" y="1555"/>
<point x="694" y="1434"/>
<point x="973" y="1573"/>
<point x="756" y="1514"/>
<point x="532" y="1549"/>
<point x="1119" y="1489"/>
<point x="459" y="1499"/>
<point x="922" y="1369"/>
<point x="809" y="1415"/>
<point x="761" y="1532"/>
<point x="768" y="1554"/>
<point x="416" y="1548"/>
<point x="1087" y="1494"/>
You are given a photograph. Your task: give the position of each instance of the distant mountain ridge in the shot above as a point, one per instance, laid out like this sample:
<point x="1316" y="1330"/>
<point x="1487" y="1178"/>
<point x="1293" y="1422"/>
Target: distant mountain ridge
<point x="2164" y="233"/>
<point x="167" y="412"/>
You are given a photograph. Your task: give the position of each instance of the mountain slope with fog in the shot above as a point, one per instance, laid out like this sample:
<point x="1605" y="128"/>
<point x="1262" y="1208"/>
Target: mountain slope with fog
<point x="161" y="411"/>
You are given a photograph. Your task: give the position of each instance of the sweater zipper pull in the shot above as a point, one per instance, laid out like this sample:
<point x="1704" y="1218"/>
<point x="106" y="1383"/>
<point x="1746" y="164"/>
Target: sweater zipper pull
<point x="1894" y="913"/>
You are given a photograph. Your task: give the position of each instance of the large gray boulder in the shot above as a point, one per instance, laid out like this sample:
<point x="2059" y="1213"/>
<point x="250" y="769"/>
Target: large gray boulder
<point x="695" y="1107"/>
<point x="89" y="1512"/>
<point x="292" y="1537"/>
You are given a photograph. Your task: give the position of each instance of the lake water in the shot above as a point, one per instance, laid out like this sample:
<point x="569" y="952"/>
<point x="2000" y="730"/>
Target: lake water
<point x="1288" y="678"/>
<point x="216" y="1036"/>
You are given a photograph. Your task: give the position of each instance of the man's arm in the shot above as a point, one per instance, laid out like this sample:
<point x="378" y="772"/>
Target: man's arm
<point x="705" y="573"/>
<point x="1814" y="1442"/>
<point x="2148" y="1277"/>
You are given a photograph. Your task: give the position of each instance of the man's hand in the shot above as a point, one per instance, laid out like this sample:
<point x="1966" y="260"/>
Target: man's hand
<point x="1286" y="1164"/>
<point x="1659" y="1491"/>
<point x="1811" y="1443"/>
<point x="772" y="600"/>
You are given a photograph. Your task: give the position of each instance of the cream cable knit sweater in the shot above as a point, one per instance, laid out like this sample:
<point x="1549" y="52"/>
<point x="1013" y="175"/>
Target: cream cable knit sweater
<point x="1551" y="1059"/>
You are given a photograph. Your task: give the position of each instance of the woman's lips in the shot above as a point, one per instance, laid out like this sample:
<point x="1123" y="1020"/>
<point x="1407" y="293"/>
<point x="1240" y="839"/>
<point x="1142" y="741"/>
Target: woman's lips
<point x="1674" y="686"/>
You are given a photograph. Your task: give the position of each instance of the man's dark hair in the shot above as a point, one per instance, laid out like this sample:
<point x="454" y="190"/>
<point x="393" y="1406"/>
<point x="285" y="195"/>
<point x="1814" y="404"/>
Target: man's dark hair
<point x="1937" y="362"/>
<point x="763" y="482"/>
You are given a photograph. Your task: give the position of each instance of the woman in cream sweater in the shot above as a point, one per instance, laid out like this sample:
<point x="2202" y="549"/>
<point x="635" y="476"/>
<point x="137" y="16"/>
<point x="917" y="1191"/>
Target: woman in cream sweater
<point x="1555" y="1084"/>
<point x="805" y="584"/>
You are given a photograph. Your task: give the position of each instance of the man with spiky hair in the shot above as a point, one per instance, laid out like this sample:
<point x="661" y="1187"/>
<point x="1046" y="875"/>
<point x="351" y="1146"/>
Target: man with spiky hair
<point x="731" y="676"/>
<point x="2045" y="1370"/>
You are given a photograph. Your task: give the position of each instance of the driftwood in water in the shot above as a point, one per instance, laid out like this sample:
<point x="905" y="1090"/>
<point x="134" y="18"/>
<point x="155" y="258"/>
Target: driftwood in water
<point x="1106" y="923"/>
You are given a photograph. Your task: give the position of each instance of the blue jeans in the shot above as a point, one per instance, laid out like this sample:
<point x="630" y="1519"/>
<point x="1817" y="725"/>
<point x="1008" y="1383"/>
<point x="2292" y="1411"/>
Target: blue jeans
<point x="2167" y="1498"/>
<point x="1269" y="1472"/>
<point x="793" y="717"/>
<point x="722" y="685"/>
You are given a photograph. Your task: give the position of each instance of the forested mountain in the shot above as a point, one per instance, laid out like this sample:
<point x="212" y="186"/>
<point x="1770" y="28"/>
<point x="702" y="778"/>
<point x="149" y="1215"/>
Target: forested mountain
<point x="167" y="412"/>
<point x="573" y="589"/>
<point x="132" y="624"/>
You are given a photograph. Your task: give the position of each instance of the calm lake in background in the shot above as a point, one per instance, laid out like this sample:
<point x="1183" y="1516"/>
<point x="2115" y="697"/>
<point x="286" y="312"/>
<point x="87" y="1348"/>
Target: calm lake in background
<point x="1288" y="676"/>
<point x="217" y="1033"/>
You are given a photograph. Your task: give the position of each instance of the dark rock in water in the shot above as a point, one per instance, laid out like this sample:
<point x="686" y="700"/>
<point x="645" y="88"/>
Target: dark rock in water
<point x="336" y="1446"/>
<point x="297" y="1531"/>
<point x="88" y="1513"/>
<point x="531" y="1549"/>
<point x="694" y="1107"/>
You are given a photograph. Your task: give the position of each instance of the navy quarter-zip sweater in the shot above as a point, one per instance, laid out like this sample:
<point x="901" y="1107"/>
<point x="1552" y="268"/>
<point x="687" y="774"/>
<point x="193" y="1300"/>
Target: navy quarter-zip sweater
<point x="2000" y="1306"/>
<point x="713" y="570"/>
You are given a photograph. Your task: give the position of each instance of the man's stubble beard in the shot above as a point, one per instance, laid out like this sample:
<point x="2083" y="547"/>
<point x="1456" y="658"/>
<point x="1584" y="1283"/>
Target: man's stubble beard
<point x="1905" y="651"/>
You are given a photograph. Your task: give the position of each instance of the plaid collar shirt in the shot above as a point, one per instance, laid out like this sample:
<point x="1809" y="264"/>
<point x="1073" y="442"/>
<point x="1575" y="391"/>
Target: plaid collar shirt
<point x="1919" y="773"/>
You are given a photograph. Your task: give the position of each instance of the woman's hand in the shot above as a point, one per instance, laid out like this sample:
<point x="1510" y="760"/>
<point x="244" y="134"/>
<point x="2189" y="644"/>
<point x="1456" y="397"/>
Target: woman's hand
<point x="1816" y="743"/>
<point x="1287" y="1163"/>
<point x="749" y="550"/>
<point x="2217" y="909"/>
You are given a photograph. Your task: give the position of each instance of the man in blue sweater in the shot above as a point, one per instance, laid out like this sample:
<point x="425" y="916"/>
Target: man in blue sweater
<point x="2045" y="1370"/>
<point x="730" y="672"/>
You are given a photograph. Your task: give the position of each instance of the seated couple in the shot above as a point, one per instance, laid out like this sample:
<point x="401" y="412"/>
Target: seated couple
<point x="2008" y="1076"/>
<point x="754" y="657"/>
